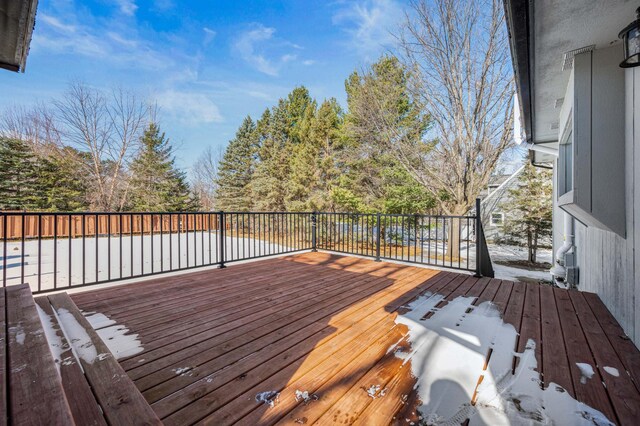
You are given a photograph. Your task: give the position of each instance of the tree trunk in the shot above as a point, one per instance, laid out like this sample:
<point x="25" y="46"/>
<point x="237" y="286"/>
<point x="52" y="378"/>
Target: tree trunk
<point x="453" y="238"/>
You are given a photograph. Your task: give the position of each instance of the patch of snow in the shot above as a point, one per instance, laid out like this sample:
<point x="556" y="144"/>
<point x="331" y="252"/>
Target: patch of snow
<point x="77" y="336"/>
<point x="20" y="335"/>
<point x="55" y="342"/>
<point x="507" y="253"/>
<point x="305" y="396"/>
<point x="181" y="371"/>
<point x="98" y="320"/>
<point x="374" y="391"/>
<point x="511" y="273"/>
<point x="270" y="398"/>
<point x="448" y="356"/>
<point x="97" y="252"/>
<point x="613" y="371"/>
<point x="586" y="370"/>
<point x="120" y="343"/>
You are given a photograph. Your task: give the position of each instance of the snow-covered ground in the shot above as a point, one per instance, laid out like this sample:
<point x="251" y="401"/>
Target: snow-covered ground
<point x="505" y="253"/>
<point x="77" y="260"/>
<point x="448" y="354"/>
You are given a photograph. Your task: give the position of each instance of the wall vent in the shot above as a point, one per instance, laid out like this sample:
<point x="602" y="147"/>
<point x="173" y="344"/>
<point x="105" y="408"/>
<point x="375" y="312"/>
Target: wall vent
<point x="567" y="57"/>
<point x="554" y="125"/>
<point x="558" y="103"/>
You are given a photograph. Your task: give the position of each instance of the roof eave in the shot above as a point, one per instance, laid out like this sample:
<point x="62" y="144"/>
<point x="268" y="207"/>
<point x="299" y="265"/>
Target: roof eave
<point x="519" y="26"/>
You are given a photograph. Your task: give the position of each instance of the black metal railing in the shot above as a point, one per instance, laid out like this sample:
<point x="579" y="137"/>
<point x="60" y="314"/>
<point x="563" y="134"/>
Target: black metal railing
<point x="53" y="251"/>
<point x="454" y="242"/>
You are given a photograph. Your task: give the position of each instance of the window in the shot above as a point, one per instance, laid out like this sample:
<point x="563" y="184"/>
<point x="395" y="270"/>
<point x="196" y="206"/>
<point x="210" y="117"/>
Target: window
<point x="565" y="161"/>
<point x="497" y="219"/>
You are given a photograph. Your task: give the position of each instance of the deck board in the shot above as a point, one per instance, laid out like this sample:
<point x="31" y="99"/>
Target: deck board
<point x="84" y="407"/>
<point x="324" y="323"/>
<point x="31" y="362"/>
<point x="119" y="399"/>
<point x="555" y="363"/>
<point x="590" y="390"/>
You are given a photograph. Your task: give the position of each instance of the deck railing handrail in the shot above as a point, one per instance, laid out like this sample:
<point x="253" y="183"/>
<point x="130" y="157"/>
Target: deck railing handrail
<point x="57" y="250"/>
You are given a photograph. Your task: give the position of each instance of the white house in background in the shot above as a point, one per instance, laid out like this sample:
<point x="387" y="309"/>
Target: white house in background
<point x="580" y="115"/>
<point x="493" y="200"/>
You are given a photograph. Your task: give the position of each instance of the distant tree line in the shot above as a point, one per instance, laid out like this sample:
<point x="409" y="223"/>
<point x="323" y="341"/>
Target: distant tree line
<point x="422" y="131"/>
<point x="89" y="150"/>
<point x="305" y="155"/>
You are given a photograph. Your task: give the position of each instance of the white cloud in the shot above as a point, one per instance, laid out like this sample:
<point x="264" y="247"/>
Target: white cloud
<point x="190" y="108"/>
<point x="54" y="22"/>
<point x="163" y="5"/>
<point x="209" y="35"/>
<point x="127" y="7"/>
<point x="246" y="46"/>
<point x="67" y="32"/>
<point x="308" y="62"/>
<point x="260" y="49"/>
<point x="369" y="24"/>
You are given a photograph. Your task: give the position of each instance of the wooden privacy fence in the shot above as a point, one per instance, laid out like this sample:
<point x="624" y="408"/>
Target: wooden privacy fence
<point x="49" y="225"/>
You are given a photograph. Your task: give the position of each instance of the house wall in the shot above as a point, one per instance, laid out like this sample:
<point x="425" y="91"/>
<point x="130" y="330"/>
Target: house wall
<point x="608" y="263"/>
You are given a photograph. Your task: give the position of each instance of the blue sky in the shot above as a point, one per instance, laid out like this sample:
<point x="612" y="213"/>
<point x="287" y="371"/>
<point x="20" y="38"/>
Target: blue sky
<point x="207" y="63"/>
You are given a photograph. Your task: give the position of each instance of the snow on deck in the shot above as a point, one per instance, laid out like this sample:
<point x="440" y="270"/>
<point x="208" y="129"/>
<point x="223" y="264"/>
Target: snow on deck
<point x="120" y="341"/>
<point x="448" y="355"/>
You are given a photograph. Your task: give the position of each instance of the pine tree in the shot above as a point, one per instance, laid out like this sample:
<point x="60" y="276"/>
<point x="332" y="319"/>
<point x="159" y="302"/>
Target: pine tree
<point x="156" y="183"/>
<point x="60" y="185"/>
<point x="280" y="132"/>
<point x="529" y="211"/>
<point x="236" y="169"/>
<point x="381" y="113"/>
<point x="19" y="186"/>
<point x="314" y="171"/>
<point x="272" y="171"/>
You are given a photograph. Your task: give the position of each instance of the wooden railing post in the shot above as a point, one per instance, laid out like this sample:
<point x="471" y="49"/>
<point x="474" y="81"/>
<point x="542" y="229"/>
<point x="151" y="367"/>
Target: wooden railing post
<point x="221" y="238"/>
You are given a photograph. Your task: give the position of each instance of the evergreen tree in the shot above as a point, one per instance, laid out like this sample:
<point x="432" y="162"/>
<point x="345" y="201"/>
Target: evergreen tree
<point x="272" y="172"/>
<point x="529" y="211"/>
<point x="60" y="185"/>
<point x="280" y="132"/>
<point x="156" y="183"/>
<point x="314" y="171"/>
<point x="19" y="186"/>
<point x="236" y="169"/>
<point x="381" y="113"/>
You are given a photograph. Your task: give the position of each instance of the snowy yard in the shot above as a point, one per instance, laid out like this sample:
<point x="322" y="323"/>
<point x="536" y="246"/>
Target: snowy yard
<point x="79" y="261"/>
<point x="505" y="253"/>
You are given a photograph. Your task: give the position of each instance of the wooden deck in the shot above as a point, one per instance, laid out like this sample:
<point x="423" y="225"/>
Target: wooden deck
<point x="214" y="340"/>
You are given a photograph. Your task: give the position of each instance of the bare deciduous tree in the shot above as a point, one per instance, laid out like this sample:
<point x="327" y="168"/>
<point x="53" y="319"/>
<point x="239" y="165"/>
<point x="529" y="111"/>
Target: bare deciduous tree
<point x="34" y="125"/>
<point x="458" y="51"/>
<point x="107" y="128"/>
<point x="203" y="180"/>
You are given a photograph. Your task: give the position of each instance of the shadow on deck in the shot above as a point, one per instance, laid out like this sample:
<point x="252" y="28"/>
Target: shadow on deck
<point x="243" y="344"/>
